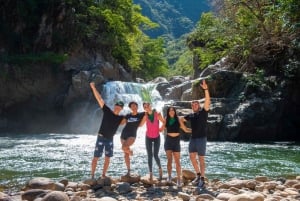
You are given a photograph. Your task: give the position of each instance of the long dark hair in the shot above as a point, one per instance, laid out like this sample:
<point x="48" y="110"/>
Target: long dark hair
<point x="168" y="116"/>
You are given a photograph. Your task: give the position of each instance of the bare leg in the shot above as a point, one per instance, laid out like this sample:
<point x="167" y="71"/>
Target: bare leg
<point x="202" y="165"/>
<point x="169" y="162"/>
<point x="127" y="161"/>
<point x="105" y="166"/>
<point x="126" y="149"/>
<point x="194" y="161"/>
<point x="93" y="166"/>
<point x="177" y="165"/>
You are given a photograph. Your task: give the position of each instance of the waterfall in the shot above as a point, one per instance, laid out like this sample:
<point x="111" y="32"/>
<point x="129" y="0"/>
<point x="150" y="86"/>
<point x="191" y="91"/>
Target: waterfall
<point x="130" y="91"/>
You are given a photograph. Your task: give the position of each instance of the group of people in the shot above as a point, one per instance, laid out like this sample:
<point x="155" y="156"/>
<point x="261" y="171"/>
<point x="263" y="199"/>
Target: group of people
<point x="155" y="123"/>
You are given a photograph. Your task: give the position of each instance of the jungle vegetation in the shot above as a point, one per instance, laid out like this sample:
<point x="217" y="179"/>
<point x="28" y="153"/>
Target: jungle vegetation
<point x="34" y="31"/>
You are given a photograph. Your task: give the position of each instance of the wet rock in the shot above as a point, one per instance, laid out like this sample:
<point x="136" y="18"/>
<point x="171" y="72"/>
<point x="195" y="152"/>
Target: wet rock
<point x="56" y="196"/>
<point x="131" y="178"/>
<point x="41" y="183"/>
<point x="32" y="194"/>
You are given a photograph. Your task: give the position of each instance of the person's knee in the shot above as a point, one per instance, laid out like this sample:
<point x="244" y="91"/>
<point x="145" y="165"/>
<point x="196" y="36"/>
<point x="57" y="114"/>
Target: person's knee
<point x="95" y="159"/>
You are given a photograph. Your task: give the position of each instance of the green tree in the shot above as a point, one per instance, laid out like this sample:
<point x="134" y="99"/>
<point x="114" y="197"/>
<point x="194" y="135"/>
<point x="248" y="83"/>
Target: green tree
<point x="243" y="28"/>
<point x="152" y="61"/>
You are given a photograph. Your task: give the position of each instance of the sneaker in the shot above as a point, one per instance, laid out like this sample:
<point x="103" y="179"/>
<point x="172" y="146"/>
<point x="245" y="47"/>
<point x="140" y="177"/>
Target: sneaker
<point x="201" y="183"/>
<point x="169" y="179"/>
<point x="179" y="184"/>
<point x="196" y="181"/>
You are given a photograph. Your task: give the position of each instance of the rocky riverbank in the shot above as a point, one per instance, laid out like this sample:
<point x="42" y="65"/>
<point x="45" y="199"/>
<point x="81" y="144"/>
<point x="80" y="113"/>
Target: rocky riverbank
<point x="137" y="188"/>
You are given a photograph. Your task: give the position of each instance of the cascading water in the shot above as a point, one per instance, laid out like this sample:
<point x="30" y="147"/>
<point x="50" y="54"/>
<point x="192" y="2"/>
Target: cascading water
<point x="129" y="91"/>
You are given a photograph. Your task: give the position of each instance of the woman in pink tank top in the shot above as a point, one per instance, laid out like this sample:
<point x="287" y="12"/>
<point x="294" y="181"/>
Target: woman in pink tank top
<point x="153" y="137"/>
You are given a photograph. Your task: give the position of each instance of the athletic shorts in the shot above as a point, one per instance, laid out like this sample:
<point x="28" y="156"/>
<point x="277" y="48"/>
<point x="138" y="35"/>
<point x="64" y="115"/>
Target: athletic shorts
<point x="126" y="136"/>
<point x="172" y="143"/>
<point x="101" y="144"/>
<point x="198" y="145"/>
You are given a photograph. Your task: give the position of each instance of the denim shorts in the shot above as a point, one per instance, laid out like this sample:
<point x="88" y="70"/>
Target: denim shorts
<point x="198" y="145"/>
<point x="101" y="144"/>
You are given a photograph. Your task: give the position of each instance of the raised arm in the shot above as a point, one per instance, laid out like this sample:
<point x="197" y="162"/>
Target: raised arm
<point x="97" y="95"/>
<point x="207" y="96"/>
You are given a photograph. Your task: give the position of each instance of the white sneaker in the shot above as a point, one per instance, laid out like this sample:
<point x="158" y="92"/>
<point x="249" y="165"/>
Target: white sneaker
<point x="195" y="182"/>
<point x="179" y="184"/>
<point x="169" y="179"/>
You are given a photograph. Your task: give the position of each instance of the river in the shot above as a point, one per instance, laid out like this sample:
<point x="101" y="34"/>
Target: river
<point x="69" y="156"/>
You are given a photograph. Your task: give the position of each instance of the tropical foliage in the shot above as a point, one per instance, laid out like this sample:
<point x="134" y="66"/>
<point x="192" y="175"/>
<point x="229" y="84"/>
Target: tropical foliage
<point x="241" y="29"/>
<point x="31" y="28"/>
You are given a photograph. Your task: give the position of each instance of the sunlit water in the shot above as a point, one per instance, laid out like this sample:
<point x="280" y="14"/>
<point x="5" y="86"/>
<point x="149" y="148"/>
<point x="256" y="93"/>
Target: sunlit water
<point x="57" y="156"/>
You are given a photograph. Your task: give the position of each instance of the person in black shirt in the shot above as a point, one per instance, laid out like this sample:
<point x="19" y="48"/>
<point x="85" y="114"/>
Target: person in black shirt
<point x="109" y="125"/>
<point x="172" y="142"/>
<point x="198" y="140"/>
<point x="128" y="134"/>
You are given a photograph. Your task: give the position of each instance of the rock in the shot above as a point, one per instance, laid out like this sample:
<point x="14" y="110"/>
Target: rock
<point x="261" y="178"/>
<point x="106" y="181"/>
<point x="291" y="182"/>
<point x="91" y="182"/>
<point x="204" y="197"/>
<point x="41" y="183"/>
<point x="59" y="186"/>
<point x="124" y="187"/>
<point x="237" y="183"/>
<point x="225" y="196"/>
<point x="296" y="186"/>
<point x="107" y="199"/>
<point x="247" y="197"/>
<point x="270" y="185"/>
<point x="4" y="197"/>
<point x="84" y="186"/>
<point x="132" y="178"/>
<point x="188" y="175"/>
<point x="72" y="185"/>
<point x="146" y="180"/>
<point x="184" y="196"/>
<point x="56" y="196"/>
<point x="64" y="182"/>
<point x="32" y="194"/>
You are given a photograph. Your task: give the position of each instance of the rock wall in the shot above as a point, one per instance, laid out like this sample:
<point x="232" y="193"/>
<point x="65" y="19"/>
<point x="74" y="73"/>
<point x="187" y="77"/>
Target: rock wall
<point x="241" y="111"/>
<point x="44" y="98"/>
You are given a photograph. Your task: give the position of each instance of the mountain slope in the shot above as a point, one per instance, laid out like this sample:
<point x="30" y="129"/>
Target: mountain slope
<point x="175" y="17"/>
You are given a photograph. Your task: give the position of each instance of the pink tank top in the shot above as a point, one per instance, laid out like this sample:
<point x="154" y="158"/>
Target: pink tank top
<point x="152" y="127"/>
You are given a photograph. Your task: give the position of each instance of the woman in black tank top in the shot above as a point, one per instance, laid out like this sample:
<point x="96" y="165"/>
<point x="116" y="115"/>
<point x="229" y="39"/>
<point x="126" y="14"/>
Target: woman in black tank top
<point x="172" y="143"/>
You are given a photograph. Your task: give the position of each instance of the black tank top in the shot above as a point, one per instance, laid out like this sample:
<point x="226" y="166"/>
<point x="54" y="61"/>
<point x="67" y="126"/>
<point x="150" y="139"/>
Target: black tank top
<point x="174" y="128"/>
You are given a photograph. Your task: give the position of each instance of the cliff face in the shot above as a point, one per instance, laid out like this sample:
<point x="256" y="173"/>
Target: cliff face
<point x="47" y="99"/>
<point x="239" y="111"/>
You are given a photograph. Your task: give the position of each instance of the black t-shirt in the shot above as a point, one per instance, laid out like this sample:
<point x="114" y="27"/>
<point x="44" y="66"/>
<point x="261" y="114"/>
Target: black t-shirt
<point x="133" y="122"/>
<point x="110" y="123"/>
<point x="198" y="123"/>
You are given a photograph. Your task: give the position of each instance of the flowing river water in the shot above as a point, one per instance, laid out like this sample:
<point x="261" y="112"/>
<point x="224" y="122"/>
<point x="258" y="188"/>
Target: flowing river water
<point x="69" y="156"/>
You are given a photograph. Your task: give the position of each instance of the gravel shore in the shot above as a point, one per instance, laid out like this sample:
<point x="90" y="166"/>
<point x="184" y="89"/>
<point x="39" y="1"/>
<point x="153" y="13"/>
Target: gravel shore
<point x="137" y="188"/>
